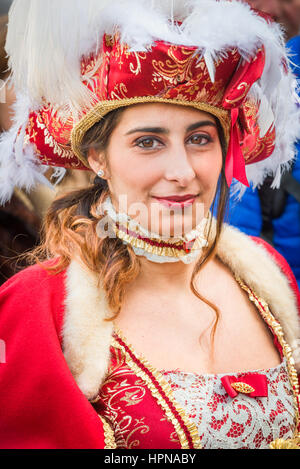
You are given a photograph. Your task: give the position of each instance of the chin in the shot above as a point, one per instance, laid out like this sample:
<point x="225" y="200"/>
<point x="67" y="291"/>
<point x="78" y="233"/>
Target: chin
<point x="175" y="226"/>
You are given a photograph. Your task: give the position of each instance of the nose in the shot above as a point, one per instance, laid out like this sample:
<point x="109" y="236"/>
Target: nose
<point x="179" y="167"/>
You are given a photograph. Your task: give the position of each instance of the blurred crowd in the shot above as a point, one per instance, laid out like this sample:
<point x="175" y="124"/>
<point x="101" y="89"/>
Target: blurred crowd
<point x="19" y="221"/>
<point x="271" y="214"/>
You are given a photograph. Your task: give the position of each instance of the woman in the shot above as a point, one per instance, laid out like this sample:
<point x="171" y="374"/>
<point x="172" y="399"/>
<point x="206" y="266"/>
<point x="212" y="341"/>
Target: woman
<point x="211" y="315"/>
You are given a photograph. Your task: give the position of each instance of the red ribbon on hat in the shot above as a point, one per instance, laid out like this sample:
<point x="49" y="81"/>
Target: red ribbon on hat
<point x="247" y="73"/>
<point x="235" y="166"/>
<point x="252" y="384"/>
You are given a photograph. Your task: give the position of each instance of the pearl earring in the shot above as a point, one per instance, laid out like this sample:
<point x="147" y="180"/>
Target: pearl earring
<point x="100" y="173"/>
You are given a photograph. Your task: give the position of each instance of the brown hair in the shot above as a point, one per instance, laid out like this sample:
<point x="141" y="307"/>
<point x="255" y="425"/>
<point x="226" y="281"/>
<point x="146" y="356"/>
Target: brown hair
<point x="71" y="222"/>
<point x="3" y="55"/>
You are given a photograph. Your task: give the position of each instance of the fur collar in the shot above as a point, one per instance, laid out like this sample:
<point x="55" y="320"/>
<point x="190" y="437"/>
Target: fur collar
<point x="87" y="336"/>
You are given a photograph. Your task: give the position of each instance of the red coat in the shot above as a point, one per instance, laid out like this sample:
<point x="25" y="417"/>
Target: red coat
<point x="41" y="404"/>
<point x="42" y="407"/>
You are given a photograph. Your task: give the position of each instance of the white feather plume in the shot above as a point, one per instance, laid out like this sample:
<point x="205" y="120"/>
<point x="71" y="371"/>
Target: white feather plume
<point x="47" y="39"/>
<point x="45" y="42"/>
<point x="210" y="65"/>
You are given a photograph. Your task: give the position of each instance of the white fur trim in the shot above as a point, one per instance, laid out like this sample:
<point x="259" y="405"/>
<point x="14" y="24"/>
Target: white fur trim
<point x="86" y="334"/>
<point x="87" y="337"/>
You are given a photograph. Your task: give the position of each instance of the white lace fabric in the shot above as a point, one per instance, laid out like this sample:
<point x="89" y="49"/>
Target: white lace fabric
<point x="242" y="422"/>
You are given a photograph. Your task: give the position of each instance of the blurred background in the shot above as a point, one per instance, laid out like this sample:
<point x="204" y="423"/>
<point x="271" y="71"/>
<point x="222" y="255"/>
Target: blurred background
<point x="4" y="6"/>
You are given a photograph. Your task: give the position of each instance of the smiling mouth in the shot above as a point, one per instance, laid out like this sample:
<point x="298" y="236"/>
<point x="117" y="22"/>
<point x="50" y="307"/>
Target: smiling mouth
<point x="177" y="201"/>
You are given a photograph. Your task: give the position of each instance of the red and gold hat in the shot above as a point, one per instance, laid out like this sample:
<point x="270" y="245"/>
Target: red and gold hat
<point x="216" y="56"/>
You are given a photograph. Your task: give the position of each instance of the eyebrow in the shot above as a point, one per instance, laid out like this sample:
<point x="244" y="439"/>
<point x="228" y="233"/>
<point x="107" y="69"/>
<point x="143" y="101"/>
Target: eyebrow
<point x="162" y="130"/>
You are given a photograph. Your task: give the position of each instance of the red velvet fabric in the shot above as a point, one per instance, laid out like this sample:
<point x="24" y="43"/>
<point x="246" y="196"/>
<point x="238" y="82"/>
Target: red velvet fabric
<point x="138" y="419"/>
<point x="41" y="405"/>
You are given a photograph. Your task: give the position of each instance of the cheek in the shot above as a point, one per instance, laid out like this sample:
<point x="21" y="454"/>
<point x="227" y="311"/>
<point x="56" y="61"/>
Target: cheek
<point x="132" y="175"/>
<point x="208" y="170"/>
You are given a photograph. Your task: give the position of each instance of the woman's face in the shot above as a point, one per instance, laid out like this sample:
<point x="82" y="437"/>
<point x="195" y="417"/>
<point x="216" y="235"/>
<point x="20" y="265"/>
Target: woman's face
<point x="162" y="165"/>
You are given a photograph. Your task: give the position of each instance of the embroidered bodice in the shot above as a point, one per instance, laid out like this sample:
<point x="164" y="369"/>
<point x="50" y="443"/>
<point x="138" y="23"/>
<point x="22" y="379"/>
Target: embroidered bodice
<point x="133" y="394"/>
<point x="150" y="409"/>
<point x="242" y="422"/>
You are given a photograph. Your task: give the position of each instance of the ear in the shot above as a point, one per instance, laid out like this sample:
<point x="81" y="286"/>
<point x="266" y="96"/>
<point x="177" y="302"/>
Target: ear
<point x="96" y="160"/>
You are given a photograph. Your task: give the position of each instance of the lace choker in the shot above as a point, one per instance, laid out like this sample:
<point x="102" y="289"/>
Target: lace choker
<point x="152" y="246"/>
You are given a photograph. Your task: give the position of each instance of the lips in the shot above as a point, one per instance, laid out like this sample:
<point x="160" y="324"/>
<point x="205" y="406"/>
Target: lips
<point x="177" y="198"/>
<point x="176" y="201"/>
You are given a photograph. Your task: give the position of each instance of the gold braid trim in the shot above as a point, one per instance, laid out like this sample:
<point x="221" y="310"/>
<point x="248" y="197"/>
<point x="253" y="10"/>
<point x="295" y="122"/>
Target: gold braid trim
<point x="158" y="396"/>
<point x="157" y="250"/>
<point x="109" y="436"/>
<point x="263" y="308"/>
<point x="292" y="443"/>
<point x="104" y="107"/>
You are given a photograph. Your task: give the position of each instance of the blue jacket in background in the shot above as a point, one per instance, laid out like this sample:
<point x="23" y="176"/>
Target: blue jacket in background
<point x="247" y="216"/>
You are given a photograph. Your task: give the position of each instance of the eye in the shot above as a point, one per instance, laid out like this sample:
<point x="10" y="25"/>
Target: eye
<point x="200" y="139"/>
<point x="148" y="143"/>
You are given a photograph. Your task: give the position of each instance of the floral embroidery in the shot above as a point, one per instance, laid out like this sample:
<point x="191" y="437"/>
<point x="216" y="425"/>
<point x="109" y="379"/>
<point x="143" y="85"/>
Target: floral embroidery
<point x="120" y="394"/>
<point x="241" y="422"/>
